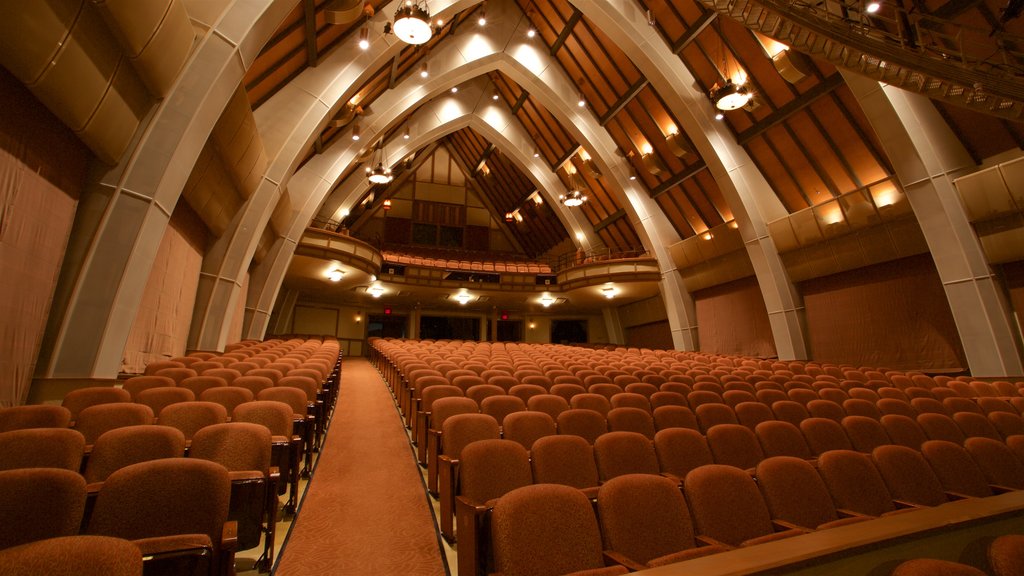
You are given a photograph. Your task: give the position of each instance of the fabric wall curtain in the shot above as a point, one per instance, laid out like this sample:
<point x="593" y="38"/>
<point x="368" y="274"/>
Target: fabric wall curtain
<point x="656" y="336"/>
<point x="161" y="326"/>
<point x="732" y="319"/>
<point x="35" y="223"/>
<point x="892" y="315"/>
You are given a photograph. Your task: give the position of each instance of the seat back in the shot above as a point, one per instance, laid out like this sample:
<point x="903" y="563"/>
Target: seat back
<point x="750" y="414"/>
<point x="825" y="409"/>
<point x="619" y="453"/>
<point x="550" y="404"/>
<point x="681" y="450"/>
<point x="34" y="416"/>
<point x="238" y="446"/>
<point x="665" y="398"/>
<point x="904" y="431"/>
<point x="854" y="482"/>
<point x="588" y="424"/>
<point x="671" y="416"/>
<point x="545" y="529"/>
<point x="95" y="420"/>
<point x="644" y="517"/>
<point x="976" y="425"/>
<point x="275" y="416"/>
<point x="940" y="427"/>
<point x="502" y="405"/>
<point x="80" y="399"/>
<point x="734" y="445"/>
<point x="190" y="417"/>
<point x="794" y="492"/>
<point x="122" y="447"/>
<point x="591" y="401"/>
<point x="908" y="476"/>
<point x="39" y="503"/>
<point x="41" y="448"/>
<point x="780" y="438"/>
<point x="159" y="398"/>
<point x="564" y="459"/>
<point x="137" y="384"/>
<point x="790" y="411"/>
<point x="527" y="427"/>
<point x="462" y="429"/>
<point x="955" y="469"/>
<point x="199" y="384"/>
<point x="865" y="433"/>
<point x="627" y="419"/>
<point x="709" y="415"/>
<point x="228" y="396"/>
<point x="726" y="504"/>
<point x="997" y="462"/>
<point x="490" y="468"/>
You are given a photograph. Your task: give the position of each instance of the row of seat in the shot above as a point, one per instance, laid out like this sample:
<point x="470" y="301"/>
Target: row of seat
<point x="782" y="496"/>
<point x="643" y="521"/>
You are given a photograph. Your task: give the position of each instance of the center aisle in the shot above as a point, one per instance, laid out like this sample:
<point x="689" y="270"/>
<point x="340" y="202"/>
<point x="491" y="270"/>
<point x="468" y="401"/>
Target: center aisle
<point x="366" y="510"/>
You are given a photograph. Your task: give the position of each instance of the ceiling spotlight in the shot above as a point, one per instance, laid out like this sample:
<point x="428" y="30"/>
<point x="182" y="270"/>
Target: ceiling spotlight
<point x="424" y="71"/>
<point x="531" y="32"/>
<point x="335" y="275"/>
<point x="581" y="102"/>
<point x="355" y="132"/>
<point x="872" y="7"/>
<point x="455" y="89"/>
<point x="632" y="173"/>
<point x="707" y="235"/>
<point x="495" y="96"/>
<point x="364" y="38"/>
<point x="412" y="22"/>
<point x="547" y="300"/>
<point x="730" y="96"/>
<point x="719" y="116"/>
<point x="462" y="297"/>
<point x="482" y="20"/>
<point x="405" y="134"/>
<point x="376" y="290"/>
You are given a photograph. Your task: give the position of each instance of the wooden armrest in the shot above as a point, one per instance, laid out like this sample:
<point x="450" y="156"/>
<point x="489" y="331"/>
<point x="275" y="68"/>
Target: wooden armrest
<point x="612" y="558"/>
<point x="274" y="474"/>
<point x="903" y="504"/>
<point x="782" y="526"/>
<point x="957" y="495"/>
<point x="93" y="488"/>
<point x="843" y="512"/>
<point x="999" y="489"/>
<point x="245" y="475"/>
<point x="229" y="536"/>
<point x="709" y="541"/>
<point x="463" y="504"/>
<point x="172" y="545"/>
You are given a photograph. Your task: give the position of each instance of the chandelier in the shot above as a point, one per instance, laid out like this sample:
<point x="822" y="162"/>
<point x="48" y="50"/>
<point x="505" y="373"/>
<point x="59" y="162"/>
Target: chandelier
<point x="412" y="22"/>
<point x="575" y="196"/>
<point x="730" y="96"/>
<point x="379" y="172"/>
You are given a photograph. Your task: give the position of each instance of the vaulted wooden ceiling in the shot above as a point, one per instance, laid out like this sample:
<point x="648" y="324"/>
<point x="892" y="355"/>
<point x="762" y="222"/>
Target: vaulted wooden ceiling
<point x="807" y="134"/>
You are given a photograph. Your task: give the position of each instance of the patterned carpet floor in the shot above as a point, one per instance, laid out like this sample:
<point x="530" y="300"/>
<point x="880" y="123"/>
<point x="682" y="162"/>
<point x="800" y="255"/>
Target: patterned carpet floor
<point x="366" y="511"/>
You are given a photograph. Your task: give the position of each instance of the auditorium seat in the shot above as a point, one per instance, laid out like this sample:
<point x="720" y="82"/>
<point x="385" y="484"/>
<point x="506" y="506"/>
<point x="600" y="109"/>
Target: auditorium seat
<point x="1006" y="555"/>
<point x="286" y="447"/>
<point x="430" y="395"/>
<point x="933" y="567"/>
<point x="865" y="433"/>
<point x="908" y="476"/>
<point x="80" y="399"/>
<point x="895" y="406"/>
<point x="645" y="522"/>
<point x="796" y="494"/>
<point x="728" y="509"/>
<point x="129" y="445"/>
<point x="855" y="483"/>
<point x="41" y="448"/>
<point x="681" y="450"/>
<point x="631" y="400"/>
<point x="34" y="416"/>
<point x="750" y="414"/>
<point x="904" y="431"/>
<point x="734" y="445"/>
<point x="137" y="384"/>
<point x="674" y="417"/>
<point x="171" y="508"/>
<point x="253" y="383"/>
<point x="567" y="460"/>
<point x="228" y="396"/>
<point x="940" y="427"/>
<point x="861" y="407"/>
<point x="958" y="404"/>
<point x="526" y="428"/>
<point x="199" y="384"/>
<point x="997" y="462"/>
<point x="790" y="411"/>
<point x="527" y="542"/>
<point x="976" y="425"/>
<point x="95" y="420"/>
<point x="957" y="472"/>
<point x="526" y="391"/>
<point x="159" y="398"/>
<point x="39" y="503"/>
<point x="619" y="453"/>
<point x="825" y="409"/>
<point x="929" y="406"/>
<point x="157" y="365"/>
<point x="501" y="406"/>
<point x="488" y="469"/>
<point x="709" y="415"/>
<point x="780" y="438"/>
<point x="458" y="432"/>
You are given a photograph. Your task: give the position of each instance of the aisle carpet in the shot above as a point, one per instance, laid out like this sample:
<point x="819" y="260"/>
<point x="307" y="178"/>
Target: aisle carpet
<point x="366" y="511"/>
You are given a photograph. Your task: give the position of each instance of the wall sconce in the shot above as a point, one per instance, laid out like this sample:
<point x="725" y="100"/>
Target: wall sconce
<point x="386" y="204"/>
<point x="335" y="275"/>
<point x="509" y="217"/>
<point x="359" y="318"/>
<point x="707" y="235"/>
<point x="532" y="325"/>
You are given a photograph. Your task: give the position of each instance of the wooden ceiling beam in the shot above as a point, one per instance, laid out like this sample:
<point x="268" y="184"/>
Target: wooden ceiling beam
<point x="792" y="107"/>
<point x="309" y="9"/>
<point x="678" y="179"/>
<point x="693" y="31"/>
<point x="624" y="100"/>
<point x="611" y="219"/>
<point x="566" y="31"/>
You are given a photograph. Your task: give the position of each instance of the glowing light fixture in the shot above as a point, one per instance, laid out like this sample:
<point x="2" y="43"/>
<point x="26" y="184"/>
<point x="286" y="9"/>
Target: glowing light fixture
<point x="509" y="217"/>
<point x="576" y="195"/>
<point x="547" y="300"/>
<point x="707" y="235"/>
<point x="719" y="116"/>
<point x="872" y="7"/>
<point x="405" y="133"/>
<point x="424" y="71"/>
<point x="463" y="297"/>
<point x="730" y="96"/>
<point x="495" y="96"/>
<point x="482" y="20"/>
<point x="609" y="292"/>
<point x="356" y="133"/>
<point x="335" y="275"/>
<point x="412" y="22"/>
<point x="364" y="38"/>
<point x="531" y="32"/>
<point x="376" y="290"/>
<point x="387" y="204"/>
<point x="455" y="89"/>
<point x="380" y="173"/>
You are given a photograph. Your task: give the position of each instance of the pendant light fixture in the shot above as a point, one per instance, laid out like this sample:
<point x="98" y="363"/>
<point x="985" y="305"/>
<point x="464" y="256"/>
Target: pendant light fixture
<point x="379" y="171"/>
<point x="576" y="195"/>
<point x="412" y="22"/>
